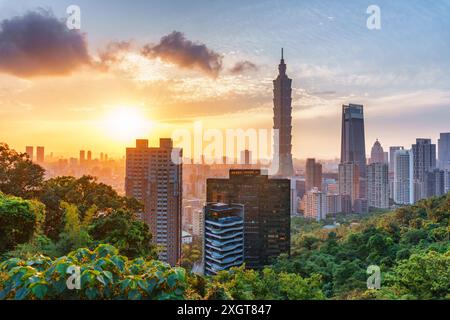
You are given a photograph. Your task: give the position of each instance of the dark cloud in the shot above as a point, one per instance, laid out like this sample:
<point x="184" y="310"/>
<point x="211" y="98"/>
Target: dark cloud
<point x="111" y="54"/>
<point x="37" y="43"/>
<point x="243" y="66"/>
<point x="175" y="48"/>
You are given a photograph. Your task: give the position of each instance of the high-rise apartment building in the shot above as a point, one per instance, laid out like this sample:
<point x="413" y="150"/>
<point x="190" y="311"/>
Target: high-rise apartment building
<point x="40" y="157"/>
<point x="29" y="152"/>
<point x="223" y="245"/>
<point x="267" y="212"/>
<point x="392" y="157"/>
<point x="82" y="157"/>
<point x="378" y="185"/>
<point x="282" y="121"/>
<point x="424" y="160"/>
<point x="403" y="177"/>
<point x="444" y="150"/>
<point x="153" y="178"/>
<point x="435" y="183"/>
<point x="313" y="174"/>
<point x="315" y="204"/>
<point x="349" y="179"/>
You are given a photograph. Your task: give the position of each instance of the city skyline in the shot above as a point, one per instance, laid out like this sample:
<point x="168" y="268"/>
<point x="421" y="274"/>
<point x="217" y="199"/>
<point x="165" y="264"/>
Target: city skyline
<point x="149" y="95"/>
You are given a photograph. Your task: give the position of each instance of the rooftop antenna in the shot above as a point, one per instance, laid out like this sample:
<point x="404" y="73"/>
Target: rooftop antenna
<point x="282" y="54"/>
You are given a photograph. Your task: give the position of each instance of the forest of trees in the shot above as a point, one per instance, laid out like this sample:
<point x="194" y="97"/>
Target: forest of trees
<point x="48" y="226"/>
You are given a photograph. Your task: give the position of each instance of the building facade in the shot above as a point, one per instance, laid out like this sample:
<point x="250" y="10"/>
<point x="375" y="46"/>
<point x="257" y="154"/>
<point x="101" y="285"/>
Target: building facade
<point x="267" y="211"/>
<point x="153" y="178"/>
<point x="403" y="177"/>
<point x="378" y="185"/>
<point x="313" y="173"/>
<point x="223" y="246"/>
<point x="444" y="151"/>
<point x="316" y="204"/>
<point x="349" y="180"/>
<point x="282" y="121"/>
<point x="424" y="161"/>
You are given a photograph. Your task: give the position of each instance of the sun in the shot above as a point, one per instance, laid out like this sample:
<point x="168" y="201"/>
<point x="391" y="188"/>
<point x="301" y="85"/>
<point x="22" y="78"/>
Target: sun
<point x="125" y="123"/>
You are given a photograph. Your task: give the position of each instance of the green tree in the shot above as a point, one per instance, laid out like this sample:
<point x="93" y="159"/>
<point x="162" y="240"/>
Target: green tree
<point x="85" y="193"/>
<point x="18" y="175"/>
<point x="423" y="276"/>
<point x="19" y="220"/>
<point x="122" y="229"/>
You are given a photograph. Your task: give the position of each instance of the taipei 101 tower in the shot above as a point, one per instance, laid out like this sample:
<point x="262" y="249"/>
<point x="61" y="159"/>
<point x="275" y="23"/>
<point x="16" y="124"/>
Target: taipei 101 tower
<point x="282" y="121"/>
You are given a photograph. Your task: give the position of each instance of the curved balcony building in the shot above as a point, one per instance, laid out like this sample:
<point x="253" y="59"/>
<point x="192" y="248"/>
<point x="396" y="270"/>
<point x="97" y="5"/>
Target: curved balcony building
<point x="224" y="237"/>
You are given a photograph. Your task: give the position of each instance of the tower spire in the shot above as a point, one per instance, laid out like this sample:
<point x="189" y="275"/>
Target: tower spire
<point x="282" y="56"/>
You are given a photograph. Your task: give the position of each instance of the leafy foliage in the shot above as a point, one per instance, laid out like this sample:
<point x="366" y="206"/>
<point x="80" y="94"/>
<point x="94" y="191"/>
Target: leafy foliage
<point x="121" y="228"/>
<point x="400" y="242"/>
<point x="18" y="175"/>
<point x="85" y="193"/>
<point x="19" y="220"/>
<point x="104" y="275"/>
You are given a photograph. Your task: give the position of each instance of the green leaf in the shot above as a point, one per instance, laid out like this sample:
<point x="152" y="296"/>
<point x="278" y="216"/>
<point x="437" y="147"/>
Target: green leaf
<point x="39" y="290"/>
<point x="22" y="293"/>
<point x="134" y="295"/>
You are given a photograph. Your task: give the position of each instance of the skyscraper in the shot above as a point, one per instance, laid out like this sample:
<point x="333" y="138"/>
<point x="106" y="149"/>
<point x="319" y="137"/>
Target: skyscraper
<point x="403" y="177"/>
<point x="82" y="157"/>
<point x="29" y="152"/>
<point x="424" y="160"/>
<point x="378" y="185"/>
<point x="377" y="153"/>
<point x="349" y="179"/>
<point x="282" y="121"/>
<point x="313" y="174"/>
<point x="353" y="147"/>
<point x="224" y="237"/>
<point x="40" y="155"/>
<point x="316" y="204"/>
<point x="89" y="156"/>
<point x="154" y="179"/>
<point x="392" y="155"/>
<point x="444" y="150"/>
<point x="267" y="212"/>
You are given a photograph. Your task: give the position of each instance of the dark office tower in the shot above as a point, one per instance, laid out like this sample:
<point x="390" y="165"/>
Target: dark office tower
<point x="224" y="237"/>
<point x="40" y="155"/>
<point x="29" y="152"/>
<point x="267" y="212"/>
<point x="82" y="157"/>
<point x="154" y="179"/>
<point x="444" y="150"/>
<point x="282" y="121"/>
<point x="313" y="175"/>
<point x="353" y="148"/>
<point x="89" y="156"/>
<point x="424" y="160"/>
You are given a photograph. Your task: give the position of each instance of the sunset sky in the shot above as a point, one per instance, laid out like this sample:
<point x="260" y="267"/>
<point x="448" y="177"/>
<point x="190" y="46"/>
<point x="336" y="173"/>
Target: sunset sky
<point x="140" y="69"/>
